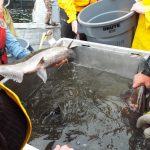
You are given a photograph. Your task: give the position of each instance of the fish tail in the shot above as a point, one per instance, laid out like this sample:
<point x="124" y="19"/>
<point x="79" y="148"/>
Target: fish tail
<point x="15" y="76"/>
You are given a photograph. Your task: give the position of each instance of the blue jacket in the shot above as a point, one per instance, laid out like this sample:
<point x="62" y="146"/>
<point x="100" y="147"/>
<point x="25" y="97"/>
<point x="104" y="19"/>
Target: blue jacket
<point x="13" y="46"/>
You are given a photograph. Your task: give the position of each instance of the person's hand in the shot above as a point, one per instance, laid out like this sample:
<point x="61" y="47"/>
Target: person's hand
<point x="141" y="79"/>
<point x="138" y="7"/>
<point x="74" y="25"/>
<point x="65" y="147"/>
<point x="1" y="6"/>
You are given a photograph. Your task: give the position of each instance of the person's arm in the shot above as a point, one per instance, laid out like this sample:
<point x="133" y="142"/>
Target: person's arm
<point x="14" y="47"/>
<point x="71" y="12"/>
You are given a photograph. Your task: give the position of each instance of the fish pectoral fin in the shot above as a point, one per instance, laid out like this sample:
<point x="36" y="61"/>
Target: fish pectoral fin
<point x="42" y="74"/>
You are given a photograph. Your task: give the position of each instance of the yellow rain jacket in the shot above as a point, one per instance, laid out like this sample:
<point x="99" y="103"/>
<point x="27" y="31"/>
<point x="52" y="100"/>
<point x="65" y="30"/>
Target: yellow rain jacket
<point x="71" y="7"/>
<point x="142" y="35"/>
<point x="9" y="21"/>
<point x="15" y="98"/>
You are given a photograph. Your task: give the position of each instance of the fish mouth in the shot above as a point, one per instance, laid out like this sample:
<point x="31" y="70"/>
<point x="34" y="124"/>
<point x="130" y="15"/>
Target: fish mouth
<point x="133" y="107"/>
<point x="137" y="100"/>
<point x="130" y="98"/>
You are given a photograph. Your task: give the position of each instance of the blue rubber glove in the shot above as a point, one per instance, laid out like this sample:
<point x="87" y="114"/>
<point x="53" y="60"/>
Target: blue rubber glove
<point x="23" y="54"/>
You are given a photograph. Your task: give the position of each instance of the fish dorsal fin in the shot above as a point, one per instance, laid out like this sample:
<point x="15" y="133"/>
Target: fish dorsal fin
<point x="69" y="46"/>
<point x="16" y="76"/>
<point x="42" y="74"/>
<point x="42" y="61"/>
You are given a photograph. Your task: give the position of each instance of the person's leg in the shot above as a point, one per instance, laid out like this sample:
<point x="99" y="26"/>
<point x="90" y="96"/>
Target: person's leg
<point x="13" y="126"/>
<point x="48" y="13"/>
<point x="3" y="142"/>
<point x="82" y="37"/>
<point x="66" y="30"/>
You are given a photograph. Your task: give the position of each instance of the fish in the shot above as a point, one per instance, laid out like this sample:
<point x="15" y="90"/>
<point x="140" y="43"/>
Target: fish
<point x="130" y="98"/>
<point x="138" y="100"/>
<point x="36" y="62"/>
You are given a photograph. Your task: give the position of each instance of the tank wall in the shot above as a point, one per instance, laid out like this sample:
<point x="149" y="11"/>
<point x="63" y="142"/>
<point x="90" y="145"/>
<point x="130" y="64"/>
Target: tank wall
<point x="33" y="32"/>
<point x="114" y="59"/>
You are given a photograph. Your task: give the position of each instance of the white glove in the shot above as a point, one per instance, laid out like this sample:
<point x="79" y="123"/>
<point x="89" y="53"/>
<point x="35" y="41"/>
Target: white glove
<point x="138" y="7"/>
<point x="141" y="122"/>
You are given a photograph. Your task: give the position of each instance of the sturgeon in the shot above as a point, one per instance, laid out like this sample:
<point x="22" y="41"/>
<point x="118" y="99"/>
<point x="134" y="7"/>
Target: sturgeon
<point x="35" y="62"/>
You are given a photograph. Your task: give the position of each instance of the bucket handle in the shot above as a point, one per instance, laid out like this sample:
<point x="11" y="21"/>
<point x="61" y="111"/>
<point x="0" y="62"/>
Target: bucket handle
<point x="7" y="3"/>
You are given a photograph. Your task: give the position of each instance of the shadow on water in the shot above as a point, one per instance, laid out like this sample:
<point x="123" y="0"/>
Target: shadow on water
<point x="82" y="107"/>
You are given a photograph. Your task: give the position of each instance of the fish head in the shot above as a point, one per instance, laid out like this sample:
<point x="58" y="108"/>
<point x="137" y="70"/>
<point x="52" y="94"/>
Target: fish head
<point x="137" y="99"/>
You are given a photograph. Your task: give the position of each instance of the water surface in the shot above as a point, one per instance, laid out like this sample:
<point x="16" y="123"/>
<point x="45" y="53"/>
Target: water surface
<point x="21" y="15"/>
<point x="83" y="108"/>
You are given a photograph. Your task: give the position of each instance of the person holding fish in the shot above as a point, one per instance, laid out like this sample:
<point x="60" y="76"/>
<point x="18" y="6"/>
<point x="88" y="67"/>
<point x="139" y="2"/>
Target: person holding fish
<point x="142" y="34"/>
<point x="68" y="15"/>
<point x="8" y="42"/>
<point x="143" y="79"/>
<point x="141" y="42"/>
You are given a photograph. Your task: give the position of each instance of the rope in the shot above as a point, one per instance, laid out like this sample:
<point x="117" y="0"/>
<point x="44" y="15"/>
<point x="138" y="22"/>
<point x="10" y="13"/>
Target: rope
<point x="44" y="38"/>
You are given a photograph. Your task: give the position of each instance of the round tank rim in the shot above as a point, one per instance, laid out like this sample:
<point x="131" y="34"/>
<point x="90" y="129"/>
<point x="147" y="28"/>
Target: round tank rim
<point x="131" y="13"/>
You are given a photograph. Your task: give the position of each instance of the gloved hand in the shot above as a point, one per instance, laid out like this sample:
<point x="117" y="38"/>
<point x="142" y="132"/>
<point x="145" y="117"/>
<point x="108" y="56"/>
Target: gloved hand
<point x="138" y="7"/>
<point x="144" y="122"/>
<point x="23" y="54"/>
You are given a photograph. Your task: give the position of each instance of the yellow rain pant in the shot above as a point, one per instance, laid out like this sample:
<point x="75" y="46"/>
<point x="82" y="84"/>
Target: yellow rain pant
<point x="142" y="35"/>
